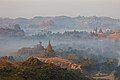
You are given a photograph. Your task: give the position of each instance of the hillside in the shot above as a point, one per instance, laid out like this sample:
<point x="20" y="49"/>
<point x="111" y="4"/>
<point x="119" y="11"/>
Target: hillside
<point x="61" y="23"/>
<point x="61" y="62"/>
<point x="33" y="69"/>
<point x="12" y="32"/>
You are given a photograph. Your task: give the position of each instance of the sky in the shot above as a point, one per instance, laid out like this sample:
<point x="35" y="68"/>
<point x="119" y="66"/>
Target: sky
<point x="31" y="8"/>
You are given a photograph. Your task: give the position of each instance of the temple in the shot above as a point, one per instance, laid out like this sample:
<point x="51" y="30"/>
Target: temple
<point x="49" y="48"/>
<point x="38" y="50"/>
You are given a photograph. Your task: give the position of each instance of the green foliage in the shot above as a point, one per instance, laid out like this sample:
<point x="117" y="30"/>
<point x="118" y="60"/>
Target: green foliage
<point x="32" y="62"/>
<point x="33" y="69"/>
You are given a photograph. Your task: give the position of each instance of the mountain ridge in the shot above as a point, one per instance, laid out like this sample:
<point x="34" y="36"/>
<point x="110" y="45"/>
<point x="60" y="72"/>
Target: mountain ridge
<point x="61" y="23"/>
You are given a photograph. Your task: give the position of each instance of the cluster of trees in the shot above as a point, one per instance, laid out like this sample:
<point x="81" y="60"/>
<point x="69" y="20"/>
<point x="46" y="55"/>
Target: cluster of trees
<point x="90" y="62"/>
<point x="107" y="66"/>
<point x="33" y="69"/>
<point x="117" y="72"/>
<point x="9" y="32"/>
<point x="60" y="36"/>
<point x="93" y="63"/>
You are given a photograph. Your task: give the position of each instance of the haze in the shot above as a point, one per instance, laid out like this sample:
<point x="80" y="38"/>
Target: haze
<point x="31" y="8"/>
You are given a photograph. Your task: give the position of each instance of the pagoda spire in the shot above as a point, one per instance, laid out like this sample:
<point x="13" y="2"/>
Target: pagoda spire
<point x="49" y="42"/>
<point x="49" y="48"/>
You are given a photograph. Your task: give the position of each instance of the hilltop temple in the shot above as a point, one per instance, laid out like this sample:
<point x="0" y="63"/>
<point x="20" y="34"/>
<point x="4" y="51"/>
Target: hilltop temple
<point x="98" y="33"/>
<point x="49" y="48"/>
<point x="40" y="47"/>
<point x="37" y="50"/>
<point x="101" y="34"/>
<point x="49" y="52"/>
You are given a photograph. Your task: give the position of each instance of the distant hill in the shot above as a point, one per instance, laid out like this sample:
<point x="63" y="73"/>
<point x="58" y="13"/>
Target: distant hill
<point x="61" y="23"/>
<point x="12" y="32"/>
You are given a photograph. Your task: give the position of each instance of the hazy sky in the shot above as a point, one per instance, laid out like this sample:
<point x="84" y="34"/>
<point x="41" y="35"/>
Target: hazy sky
<point x="31" y="8"/>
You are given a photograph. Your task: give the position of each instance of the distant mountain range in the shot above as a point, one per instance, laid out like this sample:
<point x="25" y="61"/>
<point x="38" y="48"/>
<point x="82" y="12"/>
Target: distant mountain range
<point x="61" y="23"/>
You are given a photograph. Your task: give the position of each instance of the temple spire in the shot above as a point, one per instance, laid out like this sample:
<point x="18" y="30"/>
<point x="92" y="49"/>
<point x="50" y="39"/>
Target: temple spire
<point x="49" y="42"/>
<point x="49" y="48"/>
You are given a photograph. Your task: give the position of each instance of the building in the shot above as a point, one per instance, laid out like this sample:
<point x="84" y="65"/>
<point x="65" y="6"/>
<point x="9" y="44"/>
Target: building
<point x="101" y="34"/>
<point x="49" y="48"/>
<point x="37" y="50"/>
<point x="39" y="46"/>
